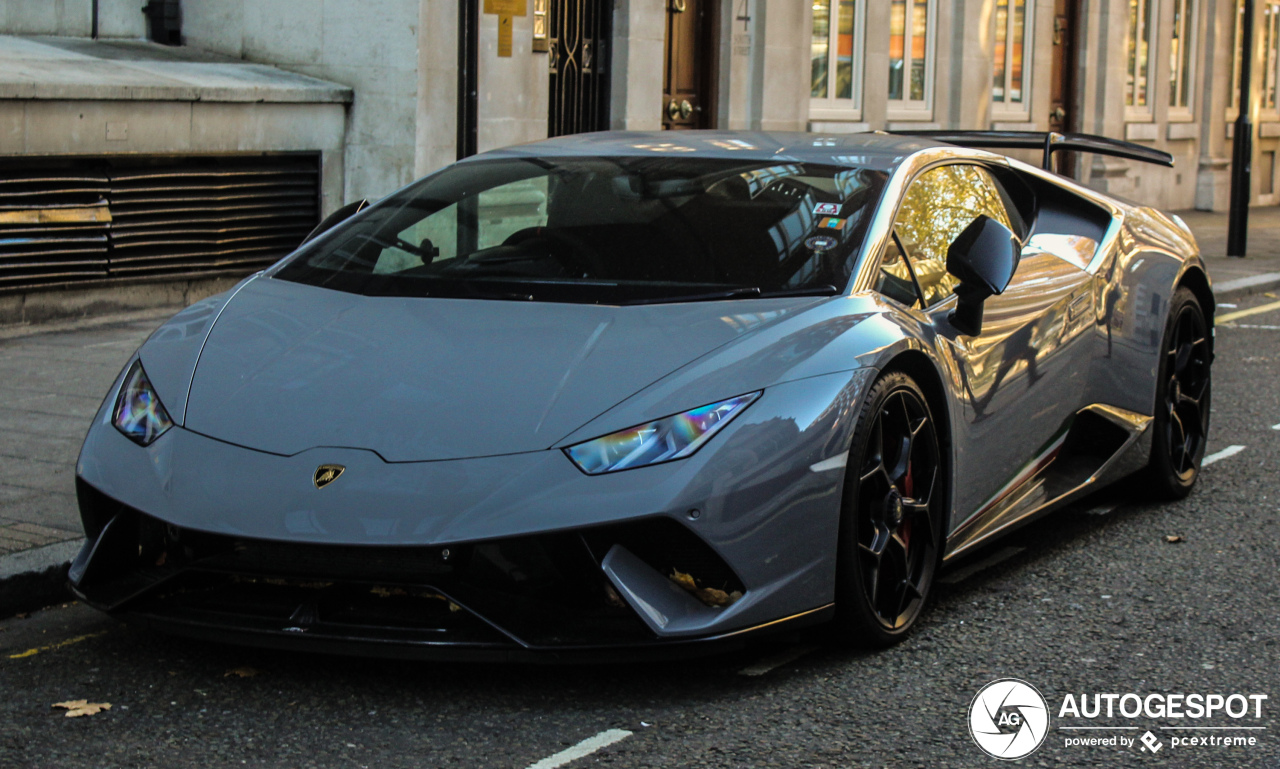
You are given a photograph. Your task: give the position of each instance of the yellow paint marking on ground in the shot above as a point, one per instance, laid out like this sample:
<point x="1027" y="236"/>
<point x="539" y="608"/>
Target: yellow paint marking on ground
<point x="51" y="647"/>
<point x="1246" y="313"/>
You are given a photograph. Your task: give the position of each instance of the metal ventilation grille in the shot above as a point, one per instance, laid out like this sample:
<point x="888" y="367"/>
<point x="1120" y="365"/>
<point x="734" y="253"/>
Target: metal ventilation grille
<point x="210" y="217"/>
<point x="118" y="219"/>
<point x="53" y="226"/>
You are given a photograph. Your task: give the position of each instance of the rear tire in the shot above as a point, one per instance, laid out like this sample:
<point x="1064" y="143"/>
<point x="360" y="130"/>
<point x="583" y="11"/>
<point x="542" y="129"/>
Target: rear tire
<point x="1180" y="429"/>
<point x="891" y="516"/>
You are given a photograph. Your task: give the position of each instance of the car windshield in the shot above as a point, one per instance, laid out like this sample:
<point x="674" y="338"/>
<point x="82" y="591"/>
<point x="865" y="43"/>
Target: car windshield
<point x="608" y="230"/>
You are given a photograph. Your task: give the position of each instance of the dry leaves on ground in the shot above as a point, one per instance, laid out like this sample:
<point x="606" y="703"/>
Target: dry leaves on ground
<point x="77" y="708"/>
<point x="1172" y="538"/>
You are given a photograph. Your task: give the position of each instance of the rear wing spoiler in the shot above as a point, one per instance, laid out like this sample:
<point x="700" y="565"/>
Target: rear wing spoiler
<point x="1049" y="142"/>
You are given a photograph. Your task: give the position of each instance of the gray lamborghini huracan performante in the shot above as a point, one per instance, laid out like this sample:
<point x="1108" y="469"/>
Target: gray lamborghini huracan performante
<point x="634" y="394"/>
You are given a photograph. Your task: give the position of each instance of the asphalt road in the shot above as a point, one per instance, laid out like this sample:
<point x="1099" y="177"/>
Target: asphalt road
<point x="1090" y="600"/>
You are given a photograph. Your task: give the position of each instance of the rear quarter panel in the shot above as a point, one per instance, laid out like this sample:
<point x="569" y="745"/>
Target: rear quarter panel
<point x="1134" y="285"/>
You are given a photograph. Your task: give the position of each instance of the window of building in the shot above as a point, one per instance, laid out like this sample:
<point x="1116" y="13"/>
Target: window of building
<point x="911" y="44"/>
<point x="1270" y="44"/>
<point x="1139" y="64"/>
<point x="1182" y="56"/>
<point x="836" y="58"/>
<point x="1013" y="40"/>
<point x="1233" y="103"/>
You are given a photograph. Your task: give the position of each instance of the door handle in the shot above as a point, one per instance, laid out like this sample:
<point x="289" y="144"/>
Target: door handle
<point x="1059" y="114"/>
<point x="686" y="109"/>
<point x="678" y="6"/>
<point x="673" y="110"/>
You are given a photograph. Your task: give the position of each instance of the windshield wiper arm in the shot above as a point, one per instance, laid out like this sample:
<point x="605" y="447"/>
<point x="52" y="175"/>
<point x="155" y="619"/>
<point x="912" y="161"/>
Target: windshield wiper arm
<point x="826" y="289"/>
<point x="732" y="293"/>
<point x="753" y="292"/>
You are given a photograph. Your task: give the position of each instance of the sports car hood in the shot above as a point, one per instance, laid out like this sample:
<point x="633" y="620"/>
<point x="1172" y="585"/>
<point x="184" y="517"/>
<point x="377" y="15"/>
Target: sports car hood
<point x="289" y="367"/>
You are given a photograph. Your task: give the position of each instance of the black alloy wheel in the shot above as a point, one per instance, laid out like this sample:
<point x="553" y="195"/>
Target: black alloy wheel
<point x="890" y="528"/>
<point x="1183" y="390"/>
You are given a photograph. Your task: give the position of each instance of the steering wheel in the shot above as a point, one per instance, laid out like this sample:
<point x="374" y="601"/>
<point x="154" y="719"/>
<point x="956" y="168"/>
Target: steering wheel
<point x="572" y="253"/>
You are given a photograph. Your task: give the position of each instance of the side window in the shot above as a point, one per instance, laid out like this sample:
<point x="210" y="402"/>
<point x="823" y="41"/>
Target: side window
<point x="894" y="280"/>
<point x="938" y="205"/>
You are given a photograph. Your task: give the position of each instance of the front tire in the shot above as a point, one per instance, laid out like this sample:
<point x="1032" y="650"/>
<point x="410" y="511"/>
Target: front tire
<point x="1183" y="388"/>
<point x="891" y="516"/>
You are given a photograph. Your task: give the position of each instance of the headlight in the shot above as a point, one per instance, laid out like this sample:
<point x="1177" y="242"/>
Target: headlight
<point x="139" y="413"/>
<point x="662" y="440"/>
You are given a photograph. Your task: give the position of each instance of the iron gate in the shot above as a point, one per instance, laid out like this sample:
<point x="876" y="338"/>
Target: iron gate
<point x="579" y="61"/>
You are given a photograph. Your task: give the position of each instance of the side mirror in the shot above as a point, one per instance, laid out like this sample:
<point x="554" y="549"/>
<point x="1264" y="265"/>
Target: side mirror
<point x="984" y="258"/>
<point x="341" y="215"/>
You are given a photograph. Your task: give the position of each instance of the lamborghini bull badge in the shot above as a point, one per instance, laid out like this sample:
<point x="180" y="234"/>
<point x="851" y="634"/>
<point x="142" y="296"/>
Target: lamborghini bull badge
<point x="326" y="474"/>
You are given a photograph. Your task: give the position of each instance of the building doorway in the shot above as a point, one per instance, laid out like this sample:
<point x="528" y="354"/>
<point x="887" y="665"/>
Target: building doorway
<point x="579" y="62"/>
<point x="688" y="65"/>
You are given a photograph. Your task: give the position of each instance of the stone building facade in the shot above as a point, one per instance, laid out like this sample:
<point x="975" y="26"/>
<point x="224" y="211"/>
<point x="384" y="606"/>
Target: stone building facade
<point x="1159" y="72"/>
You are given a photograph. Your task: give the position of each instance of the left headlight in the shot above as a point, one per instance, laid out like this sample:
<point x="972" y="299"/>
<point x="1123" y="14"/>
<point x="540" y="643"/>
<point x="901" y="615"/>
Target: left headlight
<point x="139" y="414"/>
<point x="661" y="440"/>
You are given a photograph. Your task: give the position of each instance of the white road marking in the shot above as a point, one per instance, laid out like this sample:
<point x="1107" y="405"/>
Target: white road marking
<point x="1259" y="310"/>
<point x="585" y="748"/>
<point x="1229" y="451"/>
<point x="776" y="661"/>
<point x="1275" y="427"/>
<point x="835" y="463"/>
<point x="1246" y="325"/>
<point x="961" y="575"/>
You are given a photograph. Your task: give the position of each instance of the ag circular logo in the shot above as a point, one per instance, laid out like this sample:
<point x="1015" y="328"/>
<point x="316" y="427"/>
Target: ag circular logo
<point x="1008" y="719"/>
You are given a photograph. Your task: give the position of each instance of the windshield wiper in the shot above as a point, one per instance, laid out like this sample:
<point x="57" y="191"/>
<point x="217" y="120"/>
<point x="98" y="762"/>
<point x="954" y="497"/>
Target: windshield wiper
<point x="732" y="293"/>
<point x="826" y="289"/>
<point x="753" y="292"/>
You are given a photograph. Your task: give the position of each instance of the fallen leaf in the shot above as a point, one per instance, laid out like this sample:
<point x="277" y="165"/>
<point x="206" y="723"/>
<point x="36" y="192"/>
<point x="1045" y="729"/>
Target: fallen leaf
<point x="710" y="596"/>
<point x="1172" y="538"/>
<point x="77" y="708"/>
<point x="683" y="580"/>
<point x="242" y="672"/>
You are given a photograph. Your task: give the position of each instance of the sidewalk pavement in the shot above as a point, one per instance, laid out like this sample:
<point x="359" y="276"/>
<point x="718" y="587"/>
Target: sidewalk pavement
<point x="55" y="377"/>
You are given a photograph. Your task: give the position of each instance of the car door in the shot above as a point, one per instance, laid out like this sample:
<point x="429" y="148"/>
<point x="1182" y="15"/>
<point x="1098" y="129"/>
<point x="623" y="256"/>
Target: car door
<point x="1019" y="379"/>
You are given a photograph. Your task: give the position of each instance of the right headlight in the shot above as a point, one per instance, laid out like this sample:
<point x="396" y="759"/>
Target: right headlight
<point x="661" y="440"/>
<point x="139" y="414"/>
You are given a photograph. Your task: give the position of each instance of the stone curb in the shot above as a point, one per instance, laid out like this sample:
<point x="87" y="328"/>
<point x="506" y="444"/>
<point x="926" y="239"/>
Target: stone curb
<point x="36" y="578"/>
<point x="1242" y="287"/>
